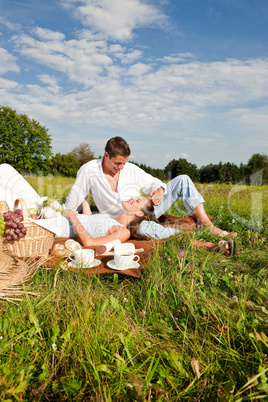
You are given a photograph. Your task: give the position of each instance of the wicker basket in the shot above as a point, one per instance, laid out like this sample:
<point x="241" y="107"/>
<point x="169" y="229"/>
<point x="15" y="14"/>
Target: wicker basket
<point x="38" y="240"/>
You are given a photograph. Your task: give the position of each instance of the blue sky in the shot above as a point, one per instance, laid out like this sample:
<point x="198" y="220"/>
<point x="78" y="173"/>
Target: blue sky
<point x="181" y="78"/>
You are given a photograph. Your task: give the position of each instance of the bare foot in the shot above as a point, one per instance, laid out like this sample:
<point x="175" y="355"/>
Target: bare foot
<point x="219" y="232"/>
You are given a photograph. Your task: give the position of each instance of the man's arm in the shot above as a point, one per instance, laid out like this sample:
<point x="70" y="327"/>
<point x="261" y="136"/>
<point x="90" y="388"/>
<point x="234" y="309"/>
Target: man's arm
<point x="86" y="210"/>
<point x="148" y="183"/>
<point x="78" y="192"/>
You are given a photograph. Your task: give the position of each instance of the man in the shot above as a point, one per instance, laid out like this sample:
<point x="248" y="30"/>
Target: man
<point x="112" y="180"/>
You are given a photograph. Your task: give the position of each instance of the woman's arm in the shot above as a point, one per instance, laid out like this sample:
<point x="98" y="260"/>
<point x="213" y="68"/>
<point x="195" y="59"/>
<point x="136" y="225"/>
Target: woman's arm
<point x="115" y="232"/>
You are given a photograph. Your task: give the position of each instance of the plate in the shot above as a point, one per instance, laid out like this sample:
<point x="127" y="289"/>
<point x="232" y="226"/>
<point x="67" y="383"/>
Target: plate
<point x="95" y="263"/>
<point x="72" y="245"/>
<point x="111" y="264"/>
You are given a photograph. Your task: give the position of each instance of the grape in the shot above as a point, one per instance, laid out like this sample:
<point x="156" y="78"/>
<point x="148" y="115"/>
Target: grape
<point x="12" y="225"/>
<point x="6" y="215"/>
<point x="2" y="227"/>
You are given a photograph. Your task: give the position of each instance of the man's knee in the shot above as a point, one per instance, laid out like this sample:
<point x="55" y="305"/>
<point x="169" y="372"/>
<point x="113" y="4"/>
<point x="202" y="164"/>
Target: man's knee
<point x="182" y="178"/>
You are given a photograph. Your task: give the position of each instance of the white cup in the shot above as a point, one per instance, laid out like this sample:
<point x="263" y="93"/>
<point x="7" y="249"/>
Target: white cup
<point x="125" y="258"/>
<point x="124" y="247"/>
<point x="82" y="258"/>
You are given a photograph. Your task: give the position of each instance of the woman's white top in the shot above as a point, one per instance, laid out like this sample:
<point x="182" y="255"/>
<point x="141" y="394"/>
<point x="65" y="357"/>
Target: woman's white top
<point x="96" y="225"/>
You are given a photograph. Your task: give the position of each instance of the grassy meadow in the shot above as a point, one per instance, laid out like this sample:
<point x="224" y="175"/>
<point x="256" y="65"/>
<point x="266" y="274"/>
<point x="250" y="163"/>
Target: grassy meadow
<point x="194" y="327"/>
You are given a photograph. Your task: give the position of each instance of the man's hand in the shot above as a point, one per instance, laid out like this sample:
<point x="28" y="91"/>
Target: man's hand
<point x="157" y="195"/>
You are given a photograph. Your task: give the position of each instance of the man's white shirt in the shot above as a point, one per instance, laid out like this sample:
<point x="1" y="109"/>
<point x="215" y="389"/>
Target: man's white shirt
<point x="91" y="179"/>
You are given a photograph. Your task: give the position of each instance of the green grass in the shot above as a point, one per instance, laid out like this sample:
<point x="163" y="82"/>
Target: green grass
<point x="192" y="328"/>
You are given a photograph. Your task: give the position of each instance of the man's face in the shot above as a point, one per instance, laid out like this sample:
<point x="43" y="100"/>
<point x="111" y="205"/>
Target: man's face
<point x="115" y="164"/>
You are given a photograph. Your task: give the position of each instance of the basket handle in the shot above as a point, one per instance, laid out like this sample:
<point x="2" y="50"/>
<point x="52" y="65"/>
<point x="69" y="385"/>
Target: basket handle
<point x="23" y="207"/>
<point x="3" y="207"/>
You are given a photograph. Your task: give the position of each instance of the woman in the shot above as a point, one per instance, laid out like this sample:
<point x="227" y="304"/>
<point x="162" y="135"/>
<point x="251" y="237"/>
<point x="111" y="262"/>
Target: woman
<point x="97" y="229"/>
<point x="138" y="212"/>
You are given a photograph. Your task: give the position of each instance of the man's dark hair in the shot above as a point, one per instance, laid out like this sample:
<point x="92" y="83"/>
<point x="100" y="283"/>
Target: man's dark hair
<point x="117" y="146"/>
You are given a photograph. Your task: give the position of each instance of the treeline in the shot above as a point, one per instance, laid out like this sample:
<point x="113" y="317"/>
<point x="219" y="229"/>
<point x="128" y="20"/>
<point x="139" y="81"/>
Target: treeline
<point x="255" y="172"/>
<point x="26" y="145"/>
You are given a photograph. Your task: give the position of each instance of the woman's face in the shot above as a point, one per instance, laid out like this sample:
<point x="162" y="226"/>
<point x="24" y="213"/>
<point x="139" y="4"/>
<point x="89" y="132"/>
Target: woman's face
<point x="135" y="204"/>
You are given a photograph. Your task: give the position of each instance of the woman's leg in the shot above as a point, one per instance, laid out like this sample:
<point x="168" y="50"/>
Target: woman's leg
<point x="200" y="214"/>
<point x="14" y="186"/>
<point x="226" y="247"/>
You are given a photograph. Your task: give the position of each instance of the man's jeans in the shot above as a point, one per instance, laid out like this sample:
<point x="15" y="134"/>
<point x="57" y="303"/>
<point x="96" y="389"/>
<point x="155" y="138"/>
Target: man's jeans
<point x="179" y="187"/>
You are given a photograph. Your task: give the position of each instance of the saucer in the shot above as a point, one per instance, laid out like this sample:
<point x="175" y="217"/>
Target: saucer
<point x="111" y="264"/>
<point x="95" y="263"/>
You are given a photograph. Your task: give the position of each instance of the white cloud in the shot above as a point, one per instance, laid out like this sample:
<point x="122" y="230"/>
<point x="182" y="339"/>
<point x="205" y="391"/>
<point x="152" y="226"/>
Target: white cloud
<point x="8" y="85"/>
<point x="90" y="82"/>
<point x="131" y="56"/>
<point x="184" y="155"/>
<point x="48" y="35"/>
<point x="51" y="82"/>
<point x="81" y="60"/>
<point x="9" y="24"/>
<point x="139" y="69"/>
<point x="8" y="62"/>
<point x="116" y="19"/>
<point x="176" y="58"/>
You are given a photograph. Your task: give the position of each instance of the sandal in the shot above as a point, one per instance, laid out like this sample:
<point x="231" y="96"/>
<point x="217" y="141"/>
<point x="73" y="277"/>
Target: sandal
<point x="231" y="247"/>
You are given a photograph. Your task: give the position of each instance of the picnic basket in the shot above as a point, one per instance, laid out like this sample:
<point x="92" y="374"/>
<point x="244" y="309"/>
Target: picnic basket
<point x="38" y="240"/>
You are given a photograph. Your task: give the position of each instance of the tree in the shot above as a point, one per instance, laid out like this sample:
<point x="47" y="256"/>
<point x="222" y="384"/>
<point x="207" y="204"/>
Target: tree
<point x="64" y="165"/>
<point x="156" y="172"/>
<point x="24" y="143"/>
<point x="181" y="166"/>
<point x="228" y="173"/>
<point x="82" y="153"/>
<point x="257" y="168"/>
<point x="209" y="173"/>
